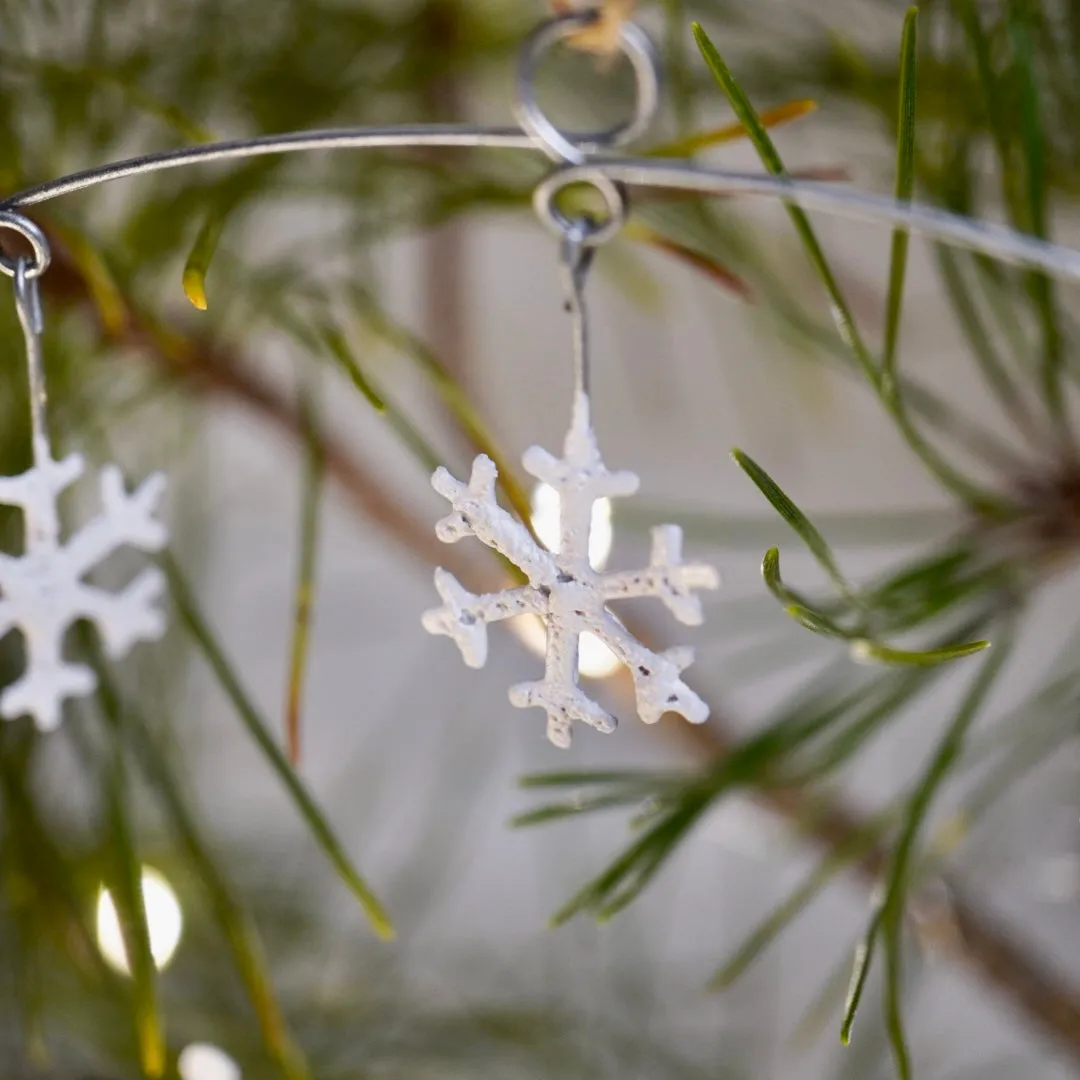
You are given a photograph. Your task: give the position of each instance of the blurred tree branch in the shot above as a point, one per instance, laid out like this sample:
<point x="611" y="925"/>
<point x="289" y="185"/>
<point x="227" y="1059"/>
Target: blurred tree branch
<point x="981" y="945"/>
<point x="71" y="83"/>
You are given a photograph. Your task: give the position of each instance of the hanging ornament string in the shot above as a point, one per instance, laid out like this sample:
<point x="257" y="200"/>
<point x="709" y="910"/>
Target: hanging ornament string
<point x="25" y="274"/>
<point x="28" y="307"/>
<point x="564" y="590"/>
<point x="42" y="591"/>
<point x="42" y="520"/>
<point x="576" y="260"/>
<point x="580" y="236"/>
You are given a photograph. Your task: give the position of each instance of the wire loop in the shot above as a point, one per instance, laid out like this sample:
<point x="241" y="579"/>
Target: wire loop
<point x="996" y="241"/>
<point x="33" y="235"/>
<point x="574" y="147"/>
<point x="588" y="231"/>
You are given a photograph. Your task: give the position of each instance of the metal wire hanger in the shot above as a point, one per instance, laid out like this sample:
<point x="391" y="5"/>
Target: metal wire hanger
<point x="584" y="159"/>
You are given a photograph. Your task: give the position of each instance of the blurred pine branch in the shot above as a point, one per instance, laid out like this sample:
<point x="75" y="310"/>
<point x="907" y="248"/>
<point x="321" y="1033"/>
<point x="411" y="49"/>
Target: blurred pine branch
<point x="82" y="84"/>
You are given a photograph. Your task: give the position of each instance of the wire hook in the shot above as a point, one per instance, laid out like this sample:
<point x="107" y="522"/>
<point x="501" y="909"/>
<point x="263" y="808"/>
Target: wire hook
<point x="24" y="271"/>
<point x="32" y="320"/>
<point x="576" y="258"/>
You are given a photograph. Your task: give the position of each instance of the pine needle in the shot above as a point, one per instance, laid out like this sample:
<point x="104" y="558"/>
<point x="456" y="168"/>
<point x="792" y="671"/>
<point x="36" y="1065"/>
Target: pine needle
<point x="200" y="632"/>
<point x="304" y="593"/>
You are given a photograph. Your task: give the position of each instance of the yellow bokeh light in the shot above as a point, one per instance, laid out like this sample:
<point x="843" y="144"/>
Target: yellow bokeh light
<point x="595" y="659"/>
<point x="164" y="921"/>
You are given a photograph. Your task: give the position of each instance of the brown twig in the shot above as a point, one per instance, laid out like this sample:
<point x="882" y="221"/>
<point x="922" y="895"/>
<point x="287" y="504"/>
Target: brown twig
<point x="1036" y="991"/>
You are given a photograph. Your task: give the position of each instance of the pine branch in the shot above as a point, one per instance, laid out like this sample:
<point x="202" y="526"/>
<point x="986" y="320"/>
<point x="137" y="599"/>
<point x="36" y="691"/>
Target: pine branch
<point x="979" y="943"/>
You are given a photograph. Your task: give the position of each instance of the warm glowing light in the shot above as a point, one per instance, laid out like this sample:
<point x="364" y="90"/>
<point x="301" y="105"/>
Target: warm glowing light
<point x="164" y="921"/>
<point x="595" y="659"/>
<point x="545" y="520"/>
<point x="201" y="1061"/>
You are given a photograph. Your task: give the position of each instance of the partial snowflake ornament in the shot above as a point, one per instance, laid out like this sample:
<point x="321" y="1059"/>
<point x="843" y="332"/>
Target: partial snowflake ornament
<point x="564" y="590"/>
<point x="43" y="591"/>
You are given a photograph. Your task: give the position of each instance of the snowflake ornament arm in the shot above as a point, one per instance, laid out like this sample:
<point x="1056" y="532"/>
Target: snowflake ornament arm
<point x="128" y="616"/>
<point x="126" y="519"/>
<point x="464" y="616"/>
<point x="565" y="591"/>
<point x="658" y="688"/>
<point x="667" y="578"/>
<point x="558" y="693"/>
<point x="478" y="513"/>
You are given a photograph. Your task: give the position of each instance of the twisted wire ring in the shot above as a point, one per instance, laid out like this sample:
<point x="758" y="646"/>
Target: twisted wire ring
<point x="573" y="148"/>
<point x="32" y="234"/>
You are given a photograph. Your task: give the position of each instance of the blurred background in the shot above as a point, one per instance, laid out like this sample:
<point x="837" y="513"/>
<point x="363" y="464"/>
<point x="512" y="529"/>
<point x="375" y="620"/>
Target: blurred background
<point x="365" y="315"/>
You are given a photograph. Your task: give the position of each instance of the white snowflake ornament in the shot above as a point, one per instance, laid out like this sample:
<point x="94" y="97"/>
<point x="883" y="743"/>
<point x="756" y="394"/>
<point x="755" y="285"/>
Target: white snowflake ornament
<point x="42" y="592"/>
<point x="564" y="590"/>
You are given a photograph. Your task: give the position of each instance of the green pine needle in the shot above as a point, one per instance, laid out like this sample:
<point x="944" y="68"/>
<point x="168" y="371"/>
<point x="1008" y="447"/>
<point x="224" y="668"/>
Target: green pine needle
<point x="334" y="341"/>
<point x="234" y="923"/>
<point x="203" y="637"/>
<point x="889" y="916"/>
<point x="889" y="396"/>
<point x="1019" y="20"/>
<point x="893" y="926"/>
<point x="905" y="186"/>
<point x="798" y="521"/>
<point x="794" y="604"/>
<point x="770" y="157"/>
<point x="864" y="954"/>
<point x="873" y="651"/>
<point x="304" y="591"/>
<point x="126" y="880"/>
<point x="201" y="255"/>
<point x="786" y="912"/>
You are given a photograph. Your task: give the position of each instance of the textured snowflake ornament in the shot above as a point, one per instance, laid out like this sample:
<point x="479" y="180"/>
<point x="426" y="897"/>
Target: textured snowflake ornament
<point x="42" y="592"/>
<point x="564" y="590"/>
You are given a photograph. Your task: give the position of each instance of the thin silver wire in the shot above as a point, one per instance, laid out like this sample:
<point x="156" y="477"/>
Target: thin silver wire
<point x="25" y="273"/>
<point x="575" y="257"/>
<point x="994" y="240"/>
<point x="31" y="319"/>
<point x="297" y="142"/>
<point x="997" y="241"/>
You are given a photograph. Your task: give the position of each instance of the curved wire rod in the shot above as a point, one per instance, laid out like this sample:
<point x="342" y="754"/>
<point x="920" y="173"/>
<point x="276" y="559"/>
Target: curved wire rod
<point x="448" y="135"/>
<point x="998" y="241"/>
<point x="990" y="239"/>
